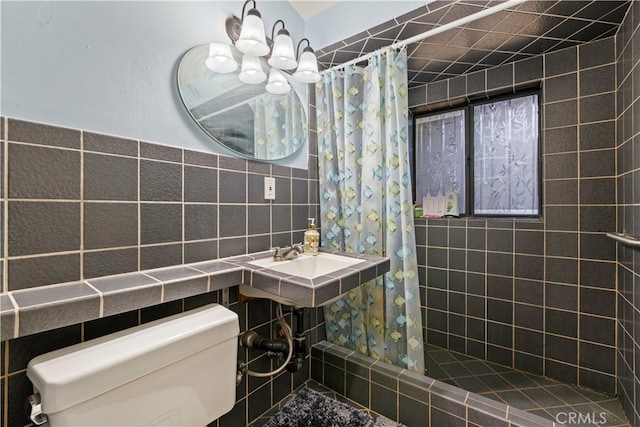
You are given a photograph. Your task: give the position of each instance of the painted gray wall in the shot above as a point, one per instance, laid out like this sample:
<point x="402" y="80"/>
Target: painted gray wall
<point x="110" y="67"/>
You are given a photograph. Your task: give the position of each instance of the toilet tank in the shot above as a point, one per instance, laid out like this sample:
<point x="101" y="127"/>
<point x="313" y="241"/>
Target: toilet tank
<point x="177" y="371"/>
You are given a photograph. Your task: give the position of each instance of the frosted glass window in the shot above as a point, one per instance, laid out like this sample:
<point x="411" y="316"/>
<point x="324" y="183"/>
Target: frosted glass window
<point x="487" y="153"/>
<point x="505" y="157"/>
<point x="440" y="155"/>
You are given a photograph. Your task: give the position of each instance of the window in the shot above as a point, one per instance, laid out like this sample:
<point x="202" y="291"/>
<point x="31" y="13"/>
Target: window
<point x="440" y="155"/>
<point x="487" y="153"/>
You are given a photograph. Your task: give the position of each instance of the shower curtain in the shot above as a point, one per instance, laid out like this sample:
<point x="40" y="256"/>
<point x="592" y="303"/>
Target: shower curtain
<point x="366" y="205"/>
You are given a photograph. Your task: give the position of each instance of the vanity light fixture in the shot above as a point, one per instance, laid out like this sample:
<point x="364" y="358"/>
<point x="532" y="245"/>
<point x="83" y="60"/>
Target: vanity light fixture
<point x="252" y="40"/>
<point x="278" y="84"/>
<point x="248" y="36"/>
<point x="282" y="55"/>
<point x="220" y="58"/>
<point x="307" y="71"/>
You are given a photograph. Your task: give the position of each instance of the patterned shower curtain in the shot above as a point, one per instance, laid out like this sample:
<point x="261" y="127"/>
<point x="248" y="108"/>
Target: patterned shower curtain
<point x="366" y="206"/>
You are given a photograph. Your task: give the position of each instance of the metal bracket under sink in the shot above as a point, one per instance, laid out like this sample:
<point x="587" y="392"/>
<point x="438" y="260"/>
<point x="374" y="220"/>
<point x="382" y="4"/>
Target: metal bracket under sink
<point x="225" y="297"/>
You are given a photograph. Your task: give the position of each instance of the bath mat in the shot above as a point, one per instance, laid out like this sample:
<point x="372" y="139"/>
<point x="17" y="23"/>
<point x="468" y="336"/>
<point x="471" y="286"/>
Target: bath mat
<point x="310" y="408"/>
<point x="386" y="422"/>
<point x="313" y="409"/>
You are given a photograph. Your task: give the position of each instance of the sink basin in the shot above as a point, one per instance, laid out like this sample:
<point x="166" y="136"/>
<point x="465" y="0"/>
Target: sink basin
<point x="308" y="280"/>
<point x="308" y="266"/>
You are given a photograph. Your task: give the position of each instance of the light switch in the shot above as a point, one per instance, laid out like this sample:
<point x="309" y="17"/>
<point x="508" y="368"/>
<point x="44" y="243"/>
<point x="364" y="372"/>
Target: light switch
<point x="269" y="188"/>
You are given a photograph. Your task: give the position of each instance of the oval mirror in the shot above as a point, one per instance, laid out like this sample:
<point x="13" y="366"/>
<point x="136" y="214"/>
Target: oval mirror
<point x="244" y="118"/>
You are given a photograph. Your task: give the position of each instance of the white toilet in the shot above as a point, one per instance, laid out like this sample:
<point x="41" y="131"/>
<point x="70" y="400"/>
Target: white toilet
<point x="177" y="371"/>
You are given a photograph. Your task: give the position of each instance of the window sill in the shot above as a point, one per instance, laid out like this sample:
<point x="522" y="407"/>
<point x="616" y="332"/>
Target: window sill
<point x="479" y="221"/>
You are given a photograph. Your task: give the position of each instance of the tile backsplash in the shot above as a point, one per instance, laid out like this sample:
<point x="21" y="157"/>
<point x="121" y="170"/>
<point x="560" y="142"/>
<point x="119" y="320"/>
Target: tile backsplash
<point x="78" y="205"/>
<point x="81" y="205"/>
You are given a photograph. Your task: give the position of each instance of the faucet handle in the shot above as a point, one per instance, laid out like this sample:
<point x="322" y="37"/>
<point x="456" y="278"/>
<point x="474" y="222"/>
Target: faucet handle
<point x="278" y="253"/>
<point x="277" y="249"/>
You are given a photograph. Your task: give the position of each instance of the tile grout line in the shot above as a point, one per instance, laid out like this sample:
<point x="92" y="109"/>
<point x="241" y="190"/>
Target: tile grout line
<point x="82" y="206"/>
<point x="139" y="207"/>
<point x="82" y="228"/>
<point x="184" y="211"/>
<point x="544" y="228"/>
<point x="579" y="223"/>
<point x="5" y="222"/>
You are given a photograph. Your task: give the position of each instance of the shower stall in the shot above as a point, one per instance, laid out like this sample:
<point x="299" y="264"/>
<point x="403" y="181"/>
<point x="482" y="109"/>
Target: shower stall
<point x="530" y="316"/>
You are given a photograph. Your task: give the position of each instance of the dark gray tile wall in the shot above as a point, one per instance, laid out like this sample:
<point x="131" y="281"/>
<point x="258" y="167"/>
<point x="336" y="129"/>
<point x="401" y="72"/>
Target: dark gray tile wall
<point x="538" y="295"/>
<point x="82" y="205"/>
<point x="628" y="211"/>
<point x="132" y="205"/>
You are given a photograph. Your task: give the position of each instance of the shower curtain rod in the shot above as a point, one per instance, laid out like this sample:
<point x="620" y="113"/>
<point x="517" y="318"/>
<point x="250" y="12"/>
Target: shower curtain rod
<point x="418" y="37"/>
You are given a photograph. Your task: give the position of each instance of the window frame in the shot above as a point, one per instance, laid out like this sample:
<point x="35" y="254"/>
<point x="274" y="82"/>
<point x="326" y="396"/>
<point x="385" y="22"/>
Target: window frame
<point x="468" y="108"/>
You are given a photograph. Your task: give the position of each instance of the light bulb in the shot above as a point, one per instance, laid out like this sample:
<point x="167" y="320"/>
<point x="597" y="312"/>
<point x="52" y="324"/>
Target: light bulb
<point x="252" y="40"/>
<point x="220" y="58"/>
<point x="282" y="55"/>
<point x="278" y="84"/>
<point x="252" y="72"/>
<point x="307" y="71"/>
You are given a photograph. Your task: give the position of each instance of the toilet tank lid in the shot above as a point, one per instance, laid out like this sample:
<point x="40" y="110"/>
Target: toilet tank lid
<point x="75" y="374"/>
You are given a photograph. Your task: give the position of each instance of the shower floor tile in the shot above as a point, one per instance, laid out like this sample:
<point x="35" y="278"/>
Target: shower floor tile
<point x="542" y="396"/>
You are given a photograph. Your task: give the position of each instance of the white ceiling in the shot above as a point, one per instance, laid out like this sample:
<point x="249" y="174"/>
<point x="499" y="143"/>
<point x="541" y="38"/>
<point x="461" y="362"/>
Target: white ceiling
<point x="309" y="8"/>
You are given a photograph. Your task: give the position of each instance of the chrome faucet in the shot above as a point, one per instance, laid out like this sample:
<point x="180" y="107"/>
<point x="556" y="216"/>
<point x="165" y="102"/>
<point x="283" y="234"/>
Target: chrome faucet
<point x="289" y="253"/>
